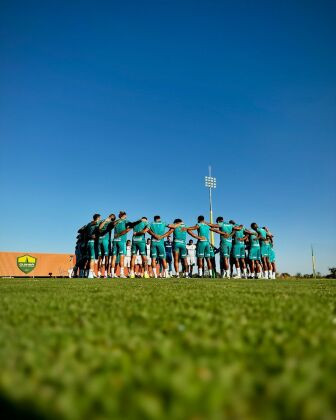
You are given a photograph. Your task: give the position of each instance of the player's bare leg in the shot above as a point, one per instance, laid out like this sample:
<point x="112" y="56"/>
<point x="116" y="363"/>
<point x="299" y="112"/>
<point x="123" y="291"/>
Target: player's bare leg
<point x="200" y="267"/>
<point x="243" y="267"/>
<point x="107" y="264"/>
<point x="209" y="265"/>
<point x="100" y="259"/>
<point x="132" y="273"/>
<point x="258" y="269"/>
<point x="237" y="265"/>
<point x="145" y="266"/>
<point x="165" y="268"/>
<point x="226" y="265"/>
<point x="113" y="266"/>
<point x="176" y="255"/>
<point x="185" y="267"/>
<point x="122" y="265"/>
<point x="154" y="267"/>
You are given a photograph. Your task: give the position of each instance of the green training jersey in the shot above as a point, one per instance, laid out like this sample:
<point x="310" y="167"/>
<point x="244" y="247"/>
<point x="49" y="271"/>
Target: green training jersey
<point x="262" y="232"/>
<point x="227" y="228"/>
<point x="119" y="227"/>
<point x="106" y="228"/>
<point x="179" y="234"/>
<point x="159" y="228"/>
<point x="92" y="230"/>
<point x="203" y="230"/>
<point x="254" y="241"/>
<point x="239" y="234"/>
<point x="138" y="228"/>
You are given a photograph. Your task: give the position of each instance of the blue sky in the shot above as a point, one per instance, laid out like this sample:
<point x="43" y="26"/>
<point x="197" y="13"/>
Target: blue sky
<point x="123" y="105"/>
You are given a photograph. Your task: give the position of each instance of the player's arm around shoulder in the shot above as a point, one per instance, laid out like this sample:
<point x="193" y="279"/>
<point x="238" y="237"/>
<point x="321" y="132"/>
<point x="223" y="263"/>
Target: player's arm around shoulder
<point x="191" y="233"/>
<point x="153" y="234"/>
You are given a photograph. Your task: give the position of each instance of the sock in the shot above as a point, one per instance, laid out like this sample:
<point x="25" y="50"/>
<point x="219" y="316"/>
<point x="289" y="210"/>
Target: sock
<point x="155" y="273"/>
<point x="252" y="275"/>
<point x="266" y="274"/>
<point x="245" y="272"/>
<point x="112" y="272"/>
<point x="132" y="272"/>
<point x="122" y="271"/>
<point x="200" y="272"/>
<point x="166" y="272"/>
<point x="238" y="272"/>
<point x="228" y="273"/>
<point x="270" y="275"/>
<point x="274" y="275"/>
<point x="259" y="275"/>
<point x="210" y="273"/>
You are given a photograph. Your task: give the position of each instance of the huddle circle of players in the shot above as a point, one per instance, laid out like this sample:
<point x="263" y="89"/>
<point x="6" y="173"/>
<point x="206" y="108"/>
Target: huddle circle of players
<point x="249" y="250"/>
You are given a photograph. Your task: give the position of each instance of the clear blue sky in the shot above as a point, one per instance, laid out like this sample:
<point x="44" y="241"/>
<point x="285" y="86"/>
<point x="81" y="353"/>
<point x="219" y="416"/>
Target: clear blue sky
<point x="112" y="105"/>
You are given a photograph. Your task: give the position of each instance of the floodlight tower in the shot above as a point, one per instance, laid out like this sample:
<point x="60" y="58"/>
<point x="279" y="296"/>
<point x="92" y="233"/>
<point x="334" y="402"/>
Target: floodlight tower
<point x="313" y="262"/>
<point x="210" y="182"/>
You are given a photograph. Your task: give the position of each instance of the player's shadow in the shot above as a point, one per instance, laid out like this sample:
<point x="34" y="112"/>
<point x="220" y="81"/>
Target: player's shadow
<point x="11" y="410"/>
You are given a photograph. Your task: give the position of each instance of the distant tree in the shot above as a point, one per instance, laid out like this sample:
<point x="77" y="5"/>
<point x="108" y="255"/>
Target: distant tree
<point x="332" y="274"/>
<point x="298" y="275"/>
<point x="285" y="275"/>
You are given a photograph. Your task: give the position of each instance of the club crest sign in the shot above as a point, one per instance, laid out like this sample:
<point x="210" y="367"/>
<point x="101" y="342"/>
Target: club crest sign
<point x="26" y="263"/>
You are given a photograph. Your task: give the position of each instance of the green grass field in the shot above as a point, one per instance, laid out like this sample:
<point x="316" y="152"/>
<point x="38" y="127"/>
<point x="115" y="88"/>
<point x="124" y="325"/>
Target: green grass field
<point x="181" y="349"/>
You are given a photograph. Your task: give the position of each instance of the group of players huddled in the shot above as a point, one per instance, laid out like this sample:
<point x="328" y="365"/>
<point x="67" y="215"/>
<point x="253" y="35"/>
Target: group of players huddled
<point x="101" y="248"/>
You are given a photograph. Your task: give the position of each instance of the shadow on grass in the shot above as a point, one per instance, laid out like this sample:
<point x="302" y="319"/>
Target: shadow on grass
<point x="13" y="410"/>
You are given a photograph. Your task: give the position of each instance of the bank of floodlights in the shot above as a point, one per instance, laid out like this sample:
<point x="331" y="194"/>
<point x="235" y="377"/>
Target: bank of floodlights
<point x="210" y="182"/>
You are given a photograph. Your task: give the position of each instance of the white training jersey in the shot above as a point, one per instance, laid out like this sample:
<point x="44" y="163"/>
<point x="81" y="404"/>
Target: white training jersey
<point x="148" y="250"/>
<point x="191" y="251"/>
<point x="128" y="251"/>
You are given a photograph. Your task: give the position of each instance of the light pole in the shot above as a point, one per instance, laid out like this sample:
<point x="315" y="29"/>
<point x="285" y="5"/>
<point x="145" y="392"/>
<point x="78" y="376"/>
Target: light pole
<point x="210" y="182"/>
<point x="313" y="262"/>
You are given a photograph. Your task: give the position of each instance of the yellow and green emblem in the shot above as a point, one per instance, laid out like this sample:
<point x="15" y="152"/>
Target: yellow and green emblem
<point x="26" y="263"/>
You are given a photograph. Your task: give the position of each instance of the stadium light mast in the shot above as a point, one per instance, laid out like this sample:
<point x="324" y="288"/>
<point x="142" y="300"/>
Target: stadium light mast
<point x="313" y="261"/>
<point x="210" y="182"/>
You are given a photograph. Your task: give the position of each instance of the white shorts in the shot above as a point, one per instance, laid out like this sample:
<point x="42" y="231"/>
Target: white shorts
<point x="127" y="261"/>
<point x="149" y="260"/>
<point x="191" y="260"/>
<point x="138" y="260"/>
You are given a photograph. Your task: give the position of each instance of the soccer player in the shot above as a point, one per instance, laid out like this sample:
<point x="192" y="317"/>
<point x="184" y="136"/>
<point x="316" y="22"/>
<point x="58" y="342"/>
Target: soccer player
<point x="179" y="246"/>
<point x="122" y="227"/>
<point x="78" y="255"/>
<point x="169" y="254"/>
<point x="238" y="250"/>
<point x="264" y="237"/>
<point x="203" y="244"/>
<point x="139" y="246"/>
<point x="148" y="255"/>
<point x="104" y="243"/>
<point x="191" y="258"/>
<point x="127" y="259"/>
<point x="271" y="254"/>
<point x="92" y="231"/>
<point x="139" y="270"/>
<point x="157" y="231"/>
<point x="226" y="231"/>
<point x="213" y="252"/>
<point x="254" y="253"/>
